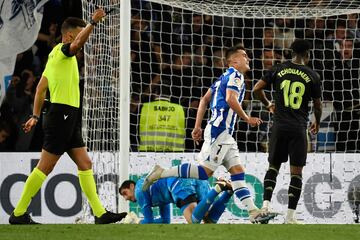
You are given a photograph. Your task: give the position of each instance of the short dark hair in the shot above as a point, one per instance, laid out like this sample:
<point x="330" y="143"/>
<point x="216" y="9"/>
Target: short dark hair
<point x="300" y="47"/>
<point x="126" y="185"/>
<point x="72" y="23"/>
<point x="234" y="49"/>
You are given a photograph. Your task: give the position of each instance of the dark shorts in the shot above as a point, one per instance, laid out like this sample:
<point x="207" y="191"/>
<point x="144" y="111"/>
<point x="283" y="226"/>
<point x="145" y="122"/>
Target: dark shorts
<point x="62" y="129"/>
<point x="284" y="144"/>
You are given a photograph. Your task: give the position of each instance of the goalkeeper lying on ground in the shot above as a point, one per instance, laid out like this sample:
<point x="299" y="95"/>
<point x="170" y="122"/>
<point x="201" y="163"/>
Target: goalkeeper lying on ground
<point x="193" y="197"/>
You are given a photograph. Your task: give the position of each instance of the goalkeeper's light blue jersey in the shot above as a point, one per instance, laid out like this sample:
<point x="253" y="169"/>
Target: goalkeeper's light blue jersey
<point x="222" y="116"/>
<point x="164" y="192"/>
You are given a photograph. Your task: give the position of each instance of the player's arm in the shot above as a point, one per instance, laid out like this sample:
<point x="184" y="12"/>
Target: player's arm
<point x="144" y="201"/>
<point x="314" y="128"/>
<point x="38" y="102"/>
<point x="233" y="102"/>
<point x="316" y="97"/>
<point x="83" y="36"/>
<point x="148" y="214"/>
<point x="164" y="214"/>
<point x="260" y="94"/>
<point x="204" y="102"/>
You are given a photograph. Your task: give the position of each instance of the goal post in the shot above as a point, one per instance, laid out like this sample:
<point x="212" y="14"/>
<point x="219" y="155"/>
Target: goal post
<point x="125" y="51"/>
<point x="106" y="101"/>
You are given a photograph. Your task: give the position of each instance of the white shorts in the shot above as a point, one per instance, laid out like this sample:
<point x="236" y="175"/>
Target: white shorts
<point x="223" y="151"/>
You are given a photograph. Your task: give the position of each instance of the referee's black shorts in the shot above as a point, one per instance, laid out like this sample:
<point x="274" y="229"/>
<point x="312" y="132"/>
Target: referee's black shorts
<point x="62" y="129"/>
<point x="284" y="143"/>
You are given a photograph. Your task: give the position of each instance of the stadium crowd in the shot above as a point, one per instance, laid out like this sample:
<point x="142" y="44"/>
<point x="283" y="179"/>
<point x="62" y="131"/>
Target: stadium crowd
<point x="177" y="54"/>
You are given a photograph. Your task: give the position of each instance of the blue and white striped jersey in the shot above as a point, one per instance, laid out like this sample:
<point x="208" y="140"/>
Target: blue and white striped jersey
<point x="222" y="116"/>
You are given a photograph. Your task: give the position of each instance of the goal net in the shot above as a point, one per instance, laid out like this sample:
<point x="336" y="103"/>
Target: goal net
<point x="177" y="52"/>
<point x="101" y="102"/>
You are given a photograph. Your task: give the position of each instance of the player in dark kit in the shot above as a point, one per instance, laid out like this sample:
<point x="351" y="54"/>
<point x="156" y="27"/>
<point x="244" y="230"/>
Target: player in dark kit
<point x="295" y="84"/>
<point x="62" y="128"/>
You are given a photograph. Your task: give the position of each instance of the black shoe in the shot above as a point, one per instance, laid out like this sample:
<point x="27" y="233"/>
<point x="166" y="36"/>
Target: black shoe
<point x="257" y="216"/>
<point x="23" y="219"/>
<point x="110" y="217"/>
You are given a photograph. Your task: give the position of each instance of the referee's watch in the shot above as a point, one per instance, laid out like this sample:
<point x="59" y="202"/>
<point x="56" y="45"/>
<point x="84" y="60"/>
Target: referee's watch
<point x="92" y="22"/>
<point x="269" y="105"/>
<point x="35" y="117"/>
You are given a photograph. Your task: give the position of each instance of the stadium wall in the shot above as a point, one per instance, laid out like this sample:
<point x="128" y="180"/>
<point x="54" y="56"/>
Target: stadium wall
<point x="328" y="180"/>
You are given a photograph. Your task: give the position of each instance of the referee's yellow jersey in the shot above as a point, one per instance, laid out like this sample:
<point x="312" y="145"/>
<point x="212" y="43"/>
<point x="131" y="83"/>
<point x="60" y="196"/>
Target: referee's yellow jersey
<point x="63" y="78"/>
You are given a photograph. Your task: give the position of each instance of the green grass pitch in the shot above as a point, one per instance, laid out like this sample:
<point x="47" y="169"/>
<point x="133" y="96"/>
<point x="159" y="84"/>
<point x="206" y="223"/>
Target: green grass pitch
<point x="180" y="231"/>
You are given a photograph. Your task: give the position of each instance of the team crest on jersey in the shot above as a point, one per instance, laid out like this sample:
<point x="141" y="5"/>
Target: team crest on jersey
<point x="235" y="82"/>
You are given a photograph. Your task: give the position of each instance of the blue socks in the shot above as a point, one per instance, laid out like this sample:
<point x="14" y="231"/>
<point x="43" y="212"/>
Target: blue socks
<point x="203" y="206"/>
<point x="219" y="206"/>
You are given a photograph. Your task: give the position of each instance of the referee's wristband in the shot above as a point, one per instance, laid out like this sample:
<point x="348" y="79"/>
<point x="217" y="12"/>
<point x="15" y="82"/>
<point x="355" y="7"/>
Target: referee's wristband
<point x="35" y="117"/>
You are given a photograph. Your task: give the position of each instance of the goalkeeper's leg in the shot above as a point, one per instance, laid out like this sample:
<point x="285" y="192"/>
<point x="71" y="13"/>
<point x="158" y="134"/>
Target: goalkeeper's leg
<point x="218" y="207"/>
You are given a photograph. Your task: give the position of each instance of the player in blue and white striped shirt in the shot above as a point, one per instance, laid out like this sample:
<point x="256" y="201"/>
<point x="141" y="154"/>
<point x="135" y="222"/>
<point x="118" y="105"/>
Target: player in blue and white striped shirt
<point x="220" y="148"/>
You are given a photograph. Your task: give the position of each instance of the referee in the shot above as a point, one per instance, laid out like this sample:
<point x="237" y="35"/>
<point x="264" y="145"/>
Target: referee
<point x="62" y="126"/>
<point x="295" y="85"/>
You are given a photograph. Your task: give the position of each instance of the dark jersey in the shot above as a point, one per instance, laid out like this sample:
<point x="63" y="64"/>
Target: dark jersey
<point x="295" y="85"/>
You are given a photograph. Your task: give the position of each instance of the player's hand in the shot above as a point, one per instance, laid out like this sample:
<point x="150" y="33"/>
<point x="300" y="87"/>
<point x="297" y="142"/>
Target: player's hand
<point x="254" y="121"/>
<point x="131" y="218"/>
<point x="98" y="15"/>
<point x="314" y="128"/>
<point x="29" y="124"/>
<point x="271" y="108"/>
<point x="196" y="135"/>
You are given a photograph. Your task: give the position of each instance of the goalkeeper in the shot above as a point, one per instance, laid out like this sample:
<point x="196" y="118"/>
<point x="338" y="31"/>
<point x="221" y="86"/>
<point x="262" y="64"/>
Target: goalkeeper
<point x="185" y="193"/>
<point x="62" y="122"/>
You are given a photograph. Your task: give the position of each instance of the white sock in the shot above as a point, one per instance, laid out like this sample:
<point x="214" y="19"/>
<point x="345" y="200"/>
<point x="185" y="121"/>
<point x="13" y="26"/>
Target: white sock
<point x="243" y="192"/>
<point x="266" y="204"/>
<point x="249" y="204"/>
<point x="290" y="214"/>
<point x="171" y="172"/>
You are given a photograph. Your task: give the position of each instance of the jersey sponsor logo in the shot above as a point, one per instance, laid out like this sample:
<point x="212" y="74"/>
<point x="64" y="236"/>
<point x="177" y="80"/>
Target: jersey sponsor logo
<point x="164" y="108"/>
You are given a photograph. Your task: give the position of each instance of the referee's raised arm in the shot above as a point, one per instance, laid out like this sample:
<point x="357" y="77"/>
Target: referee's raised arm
<point x="82" y="37"/>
